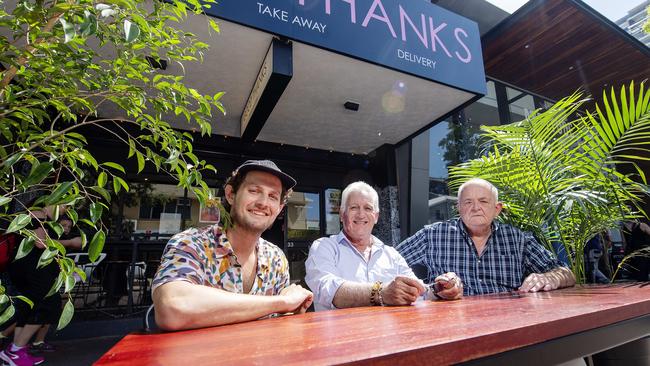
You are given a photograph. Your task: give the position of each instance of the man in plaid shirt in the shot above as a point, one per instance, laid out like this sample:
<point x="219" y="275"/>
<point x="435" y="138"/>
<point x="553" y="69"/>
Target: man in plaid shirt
<point x="488" y="256"/>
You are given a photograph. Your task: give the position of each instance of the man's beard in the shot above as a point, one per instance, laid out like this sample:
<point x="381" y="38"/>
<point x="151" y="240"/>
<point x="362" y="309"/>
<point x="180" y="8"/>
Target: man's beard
<point x="244" y="223"/>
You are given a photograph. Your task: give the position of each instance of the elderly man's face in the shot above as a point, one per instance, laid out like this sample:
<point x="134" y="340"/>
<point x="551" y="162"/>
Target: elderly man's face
<point x="359" y="217"/>
<point x="477" y="207"/>
<point x="257" y="203"/>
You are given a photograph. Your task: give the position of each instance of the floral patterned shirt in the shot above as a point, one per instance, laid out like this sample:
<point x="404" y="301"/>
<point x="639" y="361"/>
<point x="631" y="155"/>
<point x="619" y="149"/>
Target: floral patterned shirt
<point x="205" y="257"/>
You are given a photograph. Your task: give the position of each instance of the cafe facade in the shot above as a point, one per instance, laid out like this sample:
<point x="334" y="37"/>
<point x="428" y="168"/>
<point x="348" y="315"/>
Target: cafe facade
<point x="390" y="92"/>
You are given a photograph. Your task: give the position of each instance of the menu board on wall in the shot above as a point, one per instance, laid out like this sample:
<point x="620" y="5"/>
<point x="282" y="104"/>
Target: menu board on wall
<point x="332" y="205"/>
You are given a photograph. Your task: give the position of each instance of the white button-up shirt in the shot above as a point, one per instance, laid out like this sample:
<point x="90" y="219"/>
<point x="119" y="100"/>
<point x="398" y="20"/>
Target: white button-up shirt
<point x="333" y="260"/>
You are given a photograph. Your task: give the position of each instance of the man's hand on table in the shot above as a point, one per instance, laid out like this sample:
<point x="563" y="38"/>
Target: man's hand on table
<point x="448" y="286"/>
<point x="297" y="298"/>
<point x="402" y="291"/>
<point x="540" y="282"/>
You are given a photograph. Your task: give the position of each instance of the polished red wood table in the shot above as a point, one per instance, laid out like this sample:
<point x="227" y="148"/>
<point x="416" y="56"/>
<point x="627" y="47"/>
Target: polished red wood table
<point x="541" y="328"/>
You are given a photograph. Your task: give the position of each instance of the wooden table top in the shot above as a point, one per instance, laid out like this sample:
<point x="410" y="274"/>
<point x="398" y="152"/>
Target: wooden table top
<point x="439" y="332"/>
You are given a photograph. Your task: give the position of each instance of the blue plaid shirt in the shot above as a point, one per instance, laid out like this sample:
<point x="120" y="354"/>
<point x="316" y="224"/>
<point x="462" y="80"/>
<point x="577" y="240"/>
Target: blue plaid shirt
<point x="508" y="257"/>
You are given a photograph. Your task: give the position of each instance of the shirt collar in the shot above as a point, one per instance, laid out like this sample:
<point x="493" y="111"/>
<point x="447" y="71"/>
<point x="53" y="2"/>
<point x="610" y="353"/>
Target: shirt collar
<point x="461" y="225"/>
<point x="222" y="241"/>
<point x="376" y="243"/>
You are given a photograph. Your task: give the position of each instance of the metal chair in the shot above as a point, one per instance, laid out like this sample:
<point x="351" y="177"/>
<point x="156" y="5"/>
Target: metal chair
<point x="139" y="282"/>
<point x="84" y="290"/>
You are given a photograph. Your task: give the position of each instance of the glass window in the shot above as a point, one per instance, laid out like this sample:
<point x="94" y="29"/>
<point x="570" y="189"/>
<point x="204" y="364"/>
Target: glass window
<point x="457" y="139"/>
<point x="158" y="208"/>
<point x="152" y="210"/>
<point x="520" y="104"/>
<point x="332" y="205"/>
<point x="443" y="151"/>
<point x="303" y="212"/>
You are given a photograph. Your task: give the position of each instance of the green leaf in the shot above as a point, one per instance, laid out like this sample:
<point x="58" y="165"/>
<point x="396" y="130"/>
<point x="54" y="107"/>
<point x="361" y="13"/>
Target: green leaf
<point x="26" y="300"/>
<point x="101" y="180"/>
<point x="66" y="315"/>
<point x="38" y="173"/>
<point x="46" y="257"/>
<point x="214" y="25"/>
<point x="122" y="182"/>
<point x="4" y="200"/>
<point x="114" y="166"/>
<point x="26" y="246"/>
<point x="11" y="160"/>
<point x="7" y="314"/>
<point x="116" y="185"/>
<point x="105" y="11"/>
<point x="131" y="31"/>
<point x="80" y="273"/>
<point x="18" y="223"/>
<point x="95" y="211"/>
<point x="54" y="244"/>
<point x="60" y="190"/>
<point x="96" y="246"/>
<point x="140" y="158"/>
<point x="69" y="283"/>
<point x="4" y="299"/>
<point x="68" y="30"/>
<point x="56" y="227"/>
<point x="84" y="239"/>
<point x="73" y="215"/>
<point x="56" y="286"/>
<point x="104" y="193"/>
<point x="89" y="25"/>
<point x="131" y="142"/>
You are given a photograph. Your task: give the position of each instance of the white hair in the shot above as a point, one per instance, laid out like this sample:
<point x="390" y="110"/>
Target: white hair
<point x="479" y="182"/>
<point x="363" y="188"/>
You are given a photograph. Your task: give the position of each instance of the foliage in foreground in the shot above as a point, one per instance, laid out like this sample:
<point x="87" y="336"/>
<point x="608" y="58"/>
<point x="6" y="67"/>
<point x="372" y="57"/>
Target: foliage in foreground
<point x="65" y="64"/>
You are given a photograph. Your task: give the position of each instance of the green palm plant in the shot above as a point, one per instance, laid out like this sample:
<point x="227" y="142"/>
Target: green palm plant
<point x="557" y="174"/>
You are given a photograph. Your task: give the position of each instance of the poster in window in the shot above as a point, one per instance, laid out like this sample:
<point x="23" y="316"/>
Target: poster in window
<point x="209" y="213"/>
<point x="332" y="205"/>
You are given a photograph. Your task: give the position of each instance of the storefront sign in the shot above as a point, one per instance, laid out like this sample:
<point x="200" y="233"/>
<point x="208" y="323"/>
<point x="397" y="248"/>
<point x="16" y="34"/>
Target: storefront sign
<point x="412" y="36"/>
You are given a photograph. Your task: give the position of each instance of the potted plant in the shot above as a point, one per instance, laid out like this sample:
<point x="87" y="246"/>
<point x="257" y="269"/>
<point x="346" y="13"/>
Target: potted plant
<point x="559" y="171"/>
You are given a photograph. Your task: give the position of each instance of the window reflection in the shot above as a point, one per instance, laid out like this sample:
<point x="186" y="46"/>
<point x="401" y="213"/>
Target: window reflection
<point x="457" y="139"/>
<point x="303" y="212"/>
<point x="332" y="206"/>
<point x="157" y="211"/>
<point x="520" y="104"/>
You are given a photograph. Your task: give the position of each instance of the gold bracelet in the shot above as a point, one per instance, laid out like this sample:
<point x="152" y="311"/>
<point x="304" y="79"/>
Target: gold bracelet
<point x="375" y="295"/>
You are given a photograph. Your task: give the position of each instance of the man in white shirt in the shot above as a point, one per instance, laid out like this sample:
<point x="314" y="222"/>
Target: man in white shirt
<point x="354" y="268"/>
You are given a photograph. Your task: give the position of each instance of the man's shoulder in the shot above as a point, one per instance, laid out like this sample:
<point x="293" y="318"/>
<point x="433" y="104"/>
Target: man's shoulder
<point x="509" y="229"/>
<point x="326" y="245"/>
<point x="195" y="239"/>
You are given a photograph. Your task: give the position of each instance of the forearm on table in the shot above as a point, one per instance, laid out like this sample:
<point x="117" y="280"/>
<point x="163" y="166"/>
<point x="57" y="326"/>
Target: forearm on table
<point x="183" y="305"/>
<point x="563" y="275"/>
<point x="352" y="294"/>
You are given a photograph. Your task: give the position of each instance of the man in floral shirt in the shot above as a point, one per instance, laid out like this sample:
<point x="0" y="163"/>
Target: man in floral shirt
<point x="212" y="276"/>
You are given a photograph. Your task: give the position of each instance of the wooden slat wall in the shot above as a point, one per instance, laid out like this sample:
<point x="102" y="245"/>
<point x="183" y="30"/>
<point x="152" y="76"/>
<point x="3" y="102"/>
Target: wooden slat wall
<point x="568" y="48"/>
